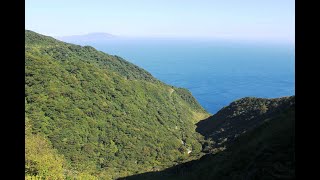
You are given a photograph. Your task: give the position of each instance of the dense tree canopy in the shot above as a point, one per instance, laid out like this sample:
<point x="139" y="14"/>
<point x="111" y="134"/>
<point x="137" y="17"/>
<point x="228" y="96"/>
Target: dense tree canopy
<point x="90" y="115"/>
<point x="265" y="152"/>
<point x="104" y="115"/>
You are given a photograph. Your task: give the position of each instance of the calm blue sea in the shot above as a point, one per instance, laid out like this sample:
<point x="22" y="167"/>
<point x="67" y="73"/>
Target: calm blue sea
<point x="216" y="72"/>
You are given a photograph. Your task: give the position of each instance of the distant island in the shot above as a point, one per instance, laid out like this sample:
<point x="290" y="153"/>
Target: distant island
<point x="90" y="37"/>
<point x="92" y="115"/>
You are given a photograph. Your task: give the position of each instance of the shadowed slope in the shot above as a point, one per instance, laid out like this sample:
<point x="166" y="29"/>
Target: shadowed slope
<point x="265" y="152"/>
<point x="241" y="116"/>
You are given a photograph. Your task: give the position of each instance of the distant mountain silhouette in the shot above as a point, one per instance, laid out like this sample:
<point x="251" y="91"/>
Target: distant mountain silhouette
<point x="91" y="37"/>
<point x="91" y="115"/>
<point x="100" y="111"/>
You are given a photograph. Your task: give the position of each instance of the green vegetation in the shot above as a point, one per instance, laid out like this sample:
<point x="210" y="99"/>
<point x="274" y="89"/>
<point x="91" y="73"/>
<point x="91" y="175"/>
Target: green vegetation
<point x="241" y="116"/>
<point x="97" y="115"/>
<point x="266" y="152"/>
<point x="41" y="159"/>
<point x="90" y="115"/>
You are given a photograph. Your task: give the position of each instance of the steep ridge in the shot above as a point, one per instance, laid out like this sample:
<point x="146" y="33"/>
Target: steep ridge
<point x="107" y="117"/>
<point x="90" y="115"/>
<point x="264" y="152"/>
<point x="239" y="117"/>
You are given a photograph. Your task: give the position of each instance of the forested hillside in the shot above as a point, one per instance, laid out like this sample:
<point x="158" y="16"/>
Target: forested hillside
<point x="101" y="116"/>
<point x="90" y="115"/>
<point x="241" y="116"/>
<point x="264" y="152"/>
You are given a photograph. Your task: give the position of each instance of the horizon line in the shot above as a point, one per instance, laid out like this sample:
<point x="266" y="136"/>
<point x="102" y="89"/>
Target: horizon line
<point x="226" y="37"/>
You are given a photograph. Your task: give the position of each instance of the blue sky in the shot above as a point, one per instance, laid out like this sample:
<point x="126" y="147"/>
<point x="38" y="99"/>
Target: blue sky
<point x="235" y="19"/>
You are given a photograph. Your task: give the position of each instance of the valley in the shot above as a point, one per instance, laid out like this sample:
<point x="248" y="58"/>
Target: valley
<point x="91" y="115"/>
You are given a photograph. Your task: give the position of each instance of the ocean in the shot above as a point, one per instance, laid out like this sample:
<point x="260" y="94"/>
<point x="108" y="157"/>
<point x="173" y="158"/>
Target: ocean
<point x="216" y="72"/>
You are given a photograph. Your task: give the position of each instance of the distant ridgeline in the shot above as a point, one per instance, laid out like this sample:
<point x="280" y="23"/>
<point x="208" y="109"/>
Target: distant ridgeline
<point x="99" y="116"/>
<point x="90" y="115"/>
<point x="87" y="38"/>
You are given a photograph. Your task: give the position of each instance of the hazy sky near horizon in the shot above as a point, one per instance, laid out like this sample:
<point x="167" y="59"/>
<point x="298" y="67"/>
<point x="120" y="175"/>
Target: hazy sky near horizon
<point x="235" y="19"/>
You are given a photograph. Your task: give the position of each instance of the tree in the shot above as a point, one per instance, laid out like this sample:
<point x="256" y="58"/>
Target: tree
<point x="41" y="159"/>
